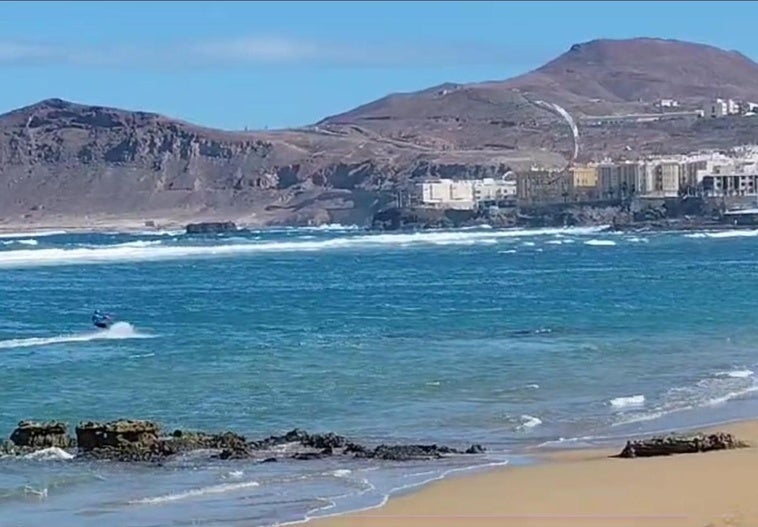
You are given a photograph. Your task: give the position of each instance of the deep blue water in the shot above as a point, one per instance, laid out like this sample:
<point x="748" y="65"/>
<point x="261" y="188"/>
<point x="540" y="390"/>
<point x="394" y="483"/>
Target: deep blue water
<point x="512" y="339"/>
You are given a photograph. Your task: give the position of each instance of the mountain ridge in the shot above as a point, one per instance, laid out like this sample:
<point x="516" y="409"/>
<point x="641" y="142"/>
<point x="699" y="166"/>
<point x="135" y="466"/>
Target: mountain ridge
<point x="64" y="159"/>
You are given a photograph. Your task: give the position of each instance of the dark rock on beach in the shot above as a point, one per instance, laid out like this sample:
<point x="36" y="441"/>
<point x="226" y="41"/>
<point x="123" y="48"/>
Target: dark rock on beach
<point x="680" y="444"/>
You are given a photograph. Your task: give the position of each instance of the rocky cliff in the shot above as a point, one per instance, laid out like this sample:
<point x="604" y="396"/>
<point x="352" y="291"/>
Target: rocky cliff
<point x="65" y="162"/>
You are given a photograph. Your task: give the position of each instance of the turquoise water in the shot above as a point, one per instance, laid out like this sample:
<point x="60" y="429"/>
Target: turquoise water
<point x="513" y="339"/>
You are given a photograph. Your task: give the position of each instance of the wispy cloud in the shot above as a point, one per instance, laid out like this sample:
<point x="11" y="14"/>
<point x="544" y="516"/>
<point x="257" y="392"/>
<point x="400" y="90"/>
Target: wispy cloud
<point x="253" y="50"/>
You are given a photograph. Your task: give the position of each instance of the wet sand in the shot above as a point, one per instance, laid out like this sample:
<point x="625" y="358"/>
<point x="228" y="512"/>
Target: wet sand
<point x="585" y="488"/>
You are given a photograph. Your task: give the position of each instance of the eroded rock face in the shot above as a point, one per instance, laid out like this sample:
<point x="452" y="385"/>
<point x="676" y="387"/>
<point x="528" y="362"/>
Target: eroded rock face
<point x="680" y="444"/>
<point x="37" y="435"/>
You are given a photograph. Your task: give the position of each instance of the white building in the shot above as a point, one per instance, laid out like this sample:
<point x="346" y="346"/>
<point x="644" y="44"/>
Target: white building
<point x="490" y="189"/>
<point x="668" y="103"/>
<point x="722" y="108"/>
<point x="448" y="194"/>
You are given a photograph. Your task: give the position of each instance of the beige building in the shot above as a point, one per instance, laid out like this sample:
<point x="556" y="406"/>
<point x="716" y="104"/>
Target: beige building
<point x="663" y="180"/>
<point x="544" y="186"/>
<point x="730" y="184"/>
<point x="584" y="176"/>
<point x="490" y="189"/>
<point x="448" y="194"/>
<point x="618" y="180"/>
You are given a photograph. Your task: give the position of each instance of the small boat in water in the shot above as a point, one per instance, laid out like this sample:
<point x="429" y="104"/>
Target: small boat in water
<point x="102" y="320"/>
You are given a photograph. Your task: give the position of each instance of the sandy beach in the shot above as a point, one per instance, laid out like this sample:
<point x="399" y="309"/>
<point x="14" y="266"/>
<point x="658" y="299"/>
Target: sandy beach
<point x="583" y="488"/>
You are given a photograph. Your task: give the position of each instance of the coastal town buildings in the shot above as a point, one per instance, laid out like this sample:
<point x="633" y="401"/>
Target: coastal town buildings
<point x="448" y="194"/>
<point x="467" y="194"/>
<point x="723" y="107"/>
<point x="709" y="174"/>
<point x="544" y="186"/>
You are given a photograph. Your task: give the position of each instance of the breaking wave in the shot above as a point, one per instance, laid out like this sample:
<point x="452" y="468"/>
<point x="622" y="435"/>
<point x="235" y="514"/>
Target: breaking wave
<point x="142" y="251"/>
<point x="735" y="374"/>
<point x="118" y="331"/>
<point x="49" y="454"/>
<point x="25" y="241"/>
<point x="529" y="421"/>
<point x="740" y="233"/>
<point x="600" y="243"/>
<point x="194" y="493"/>
<point x="39" y="234"/>
<point x="623" y="402"/>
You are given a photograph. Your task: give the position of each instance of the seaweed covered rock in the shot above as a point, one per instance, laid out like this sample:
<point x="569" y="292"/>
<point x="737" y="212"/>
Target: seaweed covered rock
<point x="39" y="435"/>
<point x="680" y="444"/>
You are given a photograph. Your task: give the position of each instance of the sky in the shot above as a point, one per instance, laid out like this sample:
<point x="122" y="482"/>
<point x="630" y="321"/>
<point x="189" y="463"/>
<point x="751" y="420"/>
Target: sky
<point x="272" y="65"/>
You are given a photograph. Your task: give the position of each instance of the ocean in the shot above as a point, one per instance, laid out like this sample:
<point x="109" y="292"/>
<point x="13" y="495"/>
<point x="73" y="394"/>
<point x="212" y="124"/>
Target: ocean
<point x="520" y="340"/>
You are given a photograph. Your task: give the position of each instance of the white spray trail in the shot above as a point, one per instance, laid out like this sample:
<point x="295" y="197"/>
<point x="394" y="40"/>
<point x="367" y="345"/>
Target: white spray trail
<point x="119" y="331"/>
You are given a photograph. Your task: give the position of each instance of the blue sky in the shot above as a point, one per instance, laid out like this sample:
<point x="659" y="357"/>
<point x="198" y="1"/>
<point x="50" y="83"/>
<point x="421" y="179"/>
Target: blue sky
<point x="280" y="64"/>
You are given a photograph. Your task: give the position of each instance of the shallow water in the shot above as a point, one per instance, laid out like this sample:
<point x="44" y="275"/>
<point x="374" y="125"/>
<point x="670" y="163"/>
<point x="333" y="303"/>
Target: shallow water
<point x="507" y="338"/>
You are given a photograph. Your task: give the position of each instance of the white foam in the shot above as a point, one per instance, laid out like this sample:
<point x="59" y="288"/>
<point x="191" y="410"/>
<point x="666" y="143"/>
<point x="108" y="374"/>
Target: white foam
<point x="139" y="243"/>
<point x="534" y="386"/>
<point x="600" y="243"/>
<point x="725" y="234"/>
<point x="729" y="396"/>
<point x="735" y="374"/>
<point x="635" y="239"/>
<point x="41" y="493"/>
<point x="332" y="227"/>
<point x="342" y="473"/>
<point x="624" y="402"/>
<point x="49" y="454"/>
<point x="37" y="234"/>
<point x="114" y="253"/>
<point x="118" y="331"/>
<point x="234" y="474"/>
<point x="194" y="493"/>
<point x="529" y="421"/>
<point x="27" y="241"/>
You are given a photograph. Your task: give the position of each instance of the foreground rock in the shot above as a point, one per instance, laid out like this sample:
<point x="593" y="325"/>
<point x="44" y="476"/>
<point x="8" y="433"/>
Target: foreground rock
<point x="36" y="435"/>
<point x="680" y="444"/>
<point x="130" y="440"/>
<point x="122" y="440"/>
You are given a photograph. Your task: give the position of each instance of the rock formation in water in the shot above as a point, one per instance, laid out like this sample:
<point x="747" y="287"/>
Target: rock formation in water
<point x="142" y="441"/>
<point x="39" y="435"/>
<point x="211" y="227"/>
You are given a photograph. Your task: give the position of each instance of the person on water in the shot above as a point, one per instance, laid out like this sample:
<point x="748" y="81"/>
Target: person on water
<point x="101" y="320"/>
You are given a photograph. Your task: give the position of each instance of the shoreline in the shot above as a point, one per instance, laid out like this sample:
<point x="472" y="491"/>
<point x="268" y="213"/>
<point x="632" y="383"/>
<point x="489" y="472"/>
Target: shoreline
<point x="581" y="486"/>
<point x="139" y="227"/>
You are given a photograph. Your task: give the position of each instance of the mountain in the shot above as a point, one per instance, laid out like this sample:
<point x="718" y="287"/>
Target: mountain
<point x="62" y="162"/>
<point x="643" y="69"/>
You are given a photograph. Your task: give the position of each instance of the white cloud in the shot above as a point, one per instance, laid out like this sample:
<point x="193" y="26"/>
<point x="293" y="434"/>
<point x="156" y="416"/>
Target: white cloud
<point x="247" y="51"/>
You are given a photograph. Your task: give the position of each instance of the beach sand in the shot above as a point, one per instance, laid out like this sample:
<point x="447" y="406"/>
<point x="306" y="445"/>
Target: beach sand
<point x="585" y="488"/>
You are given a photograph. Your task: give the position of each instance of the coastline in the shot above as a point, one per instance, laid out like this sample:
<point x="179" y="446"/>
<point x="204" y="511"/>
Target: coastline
<point x="131" y="226"/>
<point x="583" y="487"/>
